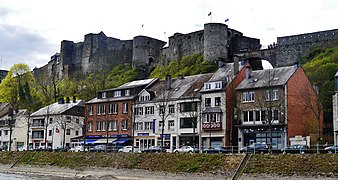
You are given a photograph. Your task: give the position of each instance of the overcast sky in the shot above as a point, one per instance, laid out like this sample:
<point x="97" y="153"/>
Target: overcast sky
<point x="31" y="30"/>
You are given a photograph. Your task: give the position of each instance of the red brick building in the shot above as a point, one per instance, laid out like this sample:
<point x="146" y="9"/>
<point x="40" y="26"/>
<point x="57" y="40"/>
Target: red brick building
<point x="109" y="116"/>
<point x="282" y="97"/>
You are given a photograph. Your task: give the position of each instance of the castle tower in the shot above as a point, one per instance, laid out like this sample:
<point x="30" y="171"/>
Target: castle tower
<point x="216" y="42"/>
<point x="146" y="51"/>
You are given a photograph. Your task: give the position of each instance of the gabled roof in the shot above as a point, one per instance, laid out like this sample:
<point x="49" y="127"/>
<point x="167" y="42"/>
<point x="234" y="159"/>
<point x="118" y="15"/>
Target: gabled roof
<point x="56" y="108"/>
<point x="181" y="88"/>
<point x="132" y="84"/>
<point x="268" y="77"/>
<point x="226" y="71"/>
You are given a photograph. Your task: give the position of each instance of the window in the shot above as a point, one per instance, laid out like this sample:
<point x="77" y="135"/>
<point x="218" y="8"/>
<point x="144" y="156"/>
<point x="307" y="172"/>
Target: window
<point x="188" y="122"/>
<point x="50" y="132"/>
<point x="115" y="125"/>
<point x="149" y="110"/>
<point x="162" y="110"/>
<point x="50" y="120"/>
<point x="207" y="86"/>
<point x="148" y="126"/>
<point x="127" y="92"/>
<point x="77" y="121"/>
<point x="248" y="116"/>
<point x="69" y="119"/>
<point x="171" y="124"/>
<point x="218" y="85"/>
<point x="207" y="102"/>
<point x="67" y="131"/>
<point x="212" y="117"/>
<point x="113" y="108"/>
<point x="271" y="95"/>
<point x="217" y="101"/>
<point x="160" y="123"/>
<point x="90" y="110"/>
<point x="248" y="97"/>
<point x="124" y="125"/>
<point x="90" y="127"/>
<point x="101" y="109"/>
<point x="138" y="111"/>
<point x="76" y="133"/>
<point x="100" y="126"/>
<point x="188" y="107"/>
<point x="171" y="109"/>
<point x="125" y="108"/>
<point x="104" y="95"/>
<point x="145" y="98"/>
<point x="275" y="114"/>
<point x="139" y="126"/>
<point x="117" y="94"/>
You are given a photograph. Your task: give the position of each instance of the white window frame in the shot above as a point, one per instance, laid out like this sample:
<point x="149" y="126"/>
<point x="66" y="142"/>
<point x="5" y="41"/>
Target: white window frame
<point x="127" y="92"/>
<point x="218" y="85"/>
<point x="207" y="86"/>
<point x="124" y="125"/>
<point x="125" y="107"/>
<point x="117" y="94"/>
<point x="90" y="126"/>
<point x="104" y="95"/>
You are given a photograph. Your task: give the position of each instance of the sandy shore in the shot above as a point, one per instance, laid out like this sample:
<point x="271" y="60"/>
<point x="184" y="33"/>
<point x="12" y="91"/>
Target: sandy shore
<point x="103" y="173"/>
<point x="56" y="173"/>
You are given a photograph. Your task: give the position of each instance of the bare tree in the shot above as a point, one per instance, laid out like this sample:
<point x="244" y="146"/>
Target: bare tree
<point x="163" y="98"/>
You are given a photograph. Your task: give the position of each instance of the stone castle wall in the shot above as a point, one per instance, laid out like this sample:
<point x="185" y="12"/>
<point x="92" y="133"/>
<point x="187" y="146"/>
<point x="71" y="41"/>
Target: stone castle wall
<point x="291" y="49"/>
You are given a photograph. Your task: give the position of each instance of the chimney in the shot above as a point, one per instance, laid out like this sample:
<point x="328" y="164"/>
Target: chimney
<point x="168" y="82"/>
<point x="220" y="63"/>
<point x="61" y="101"/>
<point x="247" y="71"/>
<point x="67" y="100"/>
<point x="74" y="99"/>
<point x="236" y="65"/>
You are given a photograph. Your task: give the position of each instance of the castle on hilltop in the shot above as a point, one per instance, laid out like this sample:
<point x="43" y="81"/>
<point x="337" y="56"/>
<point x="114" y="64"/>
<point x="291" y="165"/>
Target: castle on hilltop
<point x="216" y="42"/>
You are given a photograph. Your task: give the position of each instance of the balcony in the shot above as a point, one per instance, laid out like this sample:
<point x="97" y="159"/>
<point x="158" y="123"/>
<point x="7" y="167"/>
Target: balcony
<point x="37" y="137"/>
<point x="213" y="126"/>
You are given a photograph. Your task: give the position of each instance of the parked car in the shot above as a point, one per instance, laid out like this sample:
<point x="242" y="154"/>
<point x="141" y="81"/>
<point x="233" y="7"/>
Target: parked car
<point x="186" y="149"/>
<point x="153" y="149"/>
<point x="296" y="148"/>
<point x="255" y="148"/>
<point x="332" y="149"/>
<point x="129" y="149"/>
<point x="214" y="150"/>
<point x="76" y="149"/>
<point x="43" y="148"/>
<point x="98" y="148"/>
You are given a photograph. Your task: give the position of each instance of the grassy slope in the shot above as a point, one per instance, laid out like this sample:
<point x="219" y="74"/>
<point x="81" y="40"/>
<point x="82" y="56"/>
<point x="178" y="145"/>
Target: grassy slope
<point x="303" y="165"/>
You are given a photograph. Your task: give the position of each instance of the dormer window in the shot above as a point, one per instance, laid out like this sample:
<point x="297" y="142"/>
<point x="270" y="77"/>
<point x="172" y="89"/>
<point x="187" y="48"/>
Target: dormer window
<point x="117" y="94"/>
<point x="218" y="85"/>
<point x="145" y="98"/>
<point x="104" y="95"/>
<point x="207" y="86"/>
<point x="127" y="92"/>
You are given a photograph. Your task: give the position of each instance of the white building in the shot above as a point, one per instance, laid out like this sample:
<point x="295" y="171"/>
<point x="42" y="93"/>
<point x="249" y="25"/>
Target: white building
<point x="174" y="102"/>
<point x="335" y="111"/>
<point x="19" y="130"/>
<point x="57" y="123"/>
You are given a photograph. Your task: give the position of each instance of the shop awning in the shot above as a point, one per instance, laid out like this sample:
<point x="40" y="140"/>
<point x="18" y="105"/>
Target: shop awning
<point x="104" y="140"/>
<point x="89" y="141"/>
<point x="121" y="140"/>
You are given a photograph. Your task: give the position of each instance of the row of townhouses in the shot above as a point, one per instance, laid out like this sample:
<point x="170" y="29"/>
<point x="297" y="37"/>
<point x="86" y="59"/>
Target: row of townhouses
<point x="234" y="106"/>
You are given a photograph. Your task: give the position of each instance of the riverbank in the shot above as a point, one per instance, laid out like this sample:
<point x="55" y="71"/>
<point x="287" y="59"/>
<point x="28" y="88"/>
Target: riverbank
<point x="168" y="166"/>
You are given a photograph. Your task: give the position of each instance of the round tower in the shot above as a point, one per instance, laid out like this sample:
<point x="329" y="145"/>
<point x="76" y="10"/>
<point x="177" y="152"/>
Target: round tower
<point x="216" y="42"/>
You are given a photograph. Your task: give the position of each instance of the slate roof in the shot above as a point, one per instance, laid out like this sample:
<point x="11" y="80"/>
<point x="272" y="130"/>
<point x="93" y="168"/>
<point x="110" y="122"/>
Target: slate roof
<point x="132" y="84"/>
<point x="181" y="88"/>
<point x="128" y="85"/>
<point x="57" y="108"/>
<point x="262" y="78"/>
